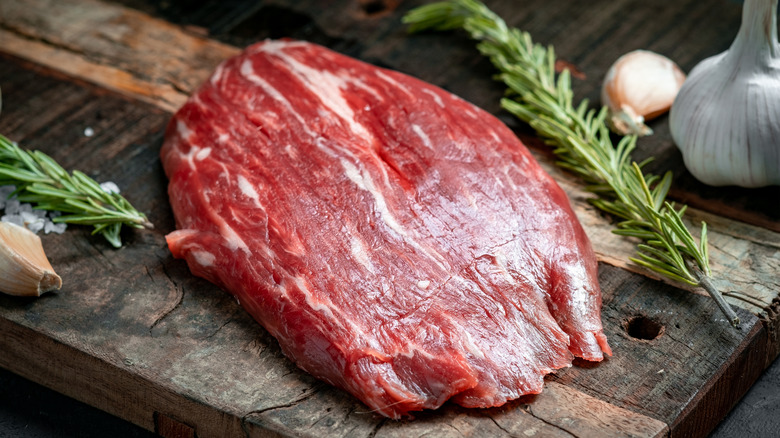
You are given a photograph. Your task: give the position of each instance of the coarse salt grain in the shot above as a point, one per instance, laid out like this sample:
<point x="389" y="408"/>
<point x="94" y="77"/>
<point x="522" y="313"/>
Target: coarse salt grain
<point x="52" y="227"/>
<point x="35" y="226"/>
<point x="5" y="192"/>
<point x="110" y="187"/>
<point x="13" y="206"/>
<point x="13" y="218"/>
<point x="24" y="215"/>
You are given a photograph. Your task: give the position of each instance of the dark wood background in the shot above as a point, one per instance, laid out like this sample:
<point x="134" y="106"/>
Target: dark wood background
<point x="705" y="367"/>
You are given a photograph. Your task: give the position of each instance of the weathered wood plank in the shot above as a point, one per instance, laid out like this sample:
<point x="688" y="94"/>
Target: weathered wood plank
<point x="102" y="382"/>
<point x="93" y="36"/>
<point x="118" y="48"/>
<point x="120" y="80"/>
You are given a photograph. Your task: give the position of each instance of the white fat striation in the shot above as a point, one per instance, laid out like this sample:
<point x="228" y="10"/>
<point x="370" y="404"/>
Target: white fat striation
<point x="186" y="134"/>
<point x="364" y="182"/>
<point x="248" y="72"/>
<point x="473" y="202"/>
<point x="313" y="302"/>
<point x="204" y="258"/>
<point x="334" y="150"/>
<point x="365" y="87"/>
<point x="509" y="179"/>
<point x="329" y="310"/>
<point x="358" y="250"/>
<point x="436" y="97"/>
<point x="323" y="145"/>
<point x="471" y="346"/>
<point x="501" y="263"/>
<point x="184" y="131"/>
<point x="470" y="113"/>
<point x="324" y="84"/>
<point x="232" y="239"/>
<point x="203" y="154"/>
<point x="381" y="75"/>
<point x="499" y="181"/>
<point x="247" y="189"/>
<point x="423" y="136"/>
<point x="291" y="151"/>
<point x="217" y="75"/>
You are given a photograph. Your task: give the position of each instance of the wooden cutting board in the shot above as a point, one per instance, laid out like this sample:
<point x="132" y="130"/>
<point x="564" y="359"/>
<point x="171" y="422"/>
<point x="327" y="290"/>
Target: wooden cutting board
<point x="134" y="334"/>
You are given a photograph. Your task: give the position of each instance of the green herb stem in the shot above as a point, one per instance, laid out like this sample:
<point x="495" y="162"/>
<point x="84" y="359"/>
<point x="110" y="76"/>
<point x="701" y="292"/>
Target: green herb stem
<point x="41" y="181"/>
<point x="581" y="141"/>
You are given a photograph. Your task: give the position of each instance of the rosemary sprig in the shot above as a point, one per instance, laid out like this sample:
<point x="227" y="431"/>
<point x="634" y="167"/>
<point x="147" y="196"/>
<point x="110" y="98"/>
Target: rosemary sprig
<point x="41" y="181"/>
<point x="582" y="143"/>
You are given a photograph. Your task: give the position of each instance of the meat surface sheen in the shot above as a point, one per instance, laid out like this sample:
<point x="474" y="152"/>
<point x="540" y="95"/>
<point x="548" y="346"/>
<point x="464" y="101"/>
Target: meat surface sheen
<point x="399" y="242"/>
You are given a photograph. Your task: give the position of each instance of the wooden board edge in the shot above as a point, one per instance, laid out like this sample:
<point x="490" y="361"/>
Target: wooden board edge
<point x="711" y="404"/>
<point x="770" y="318"/>
<point x="107" y="386"/>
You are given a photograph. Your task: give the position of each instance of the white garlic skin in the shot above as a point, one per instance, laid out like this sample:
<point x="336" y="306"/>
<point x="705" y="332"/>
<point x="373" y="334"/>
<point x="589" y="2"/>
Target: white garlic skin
<point x="726" y="118"/>
<point x="638" y="87"/>
<point x="24" y="268"/>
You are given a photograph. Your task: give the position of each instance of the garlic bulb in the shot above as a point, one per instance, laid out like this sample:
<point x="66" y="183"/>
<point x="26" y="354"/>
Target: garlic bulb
<point x="726" y="118"/>
<point x="639" y="86"/>
<point x="24" y="268"/>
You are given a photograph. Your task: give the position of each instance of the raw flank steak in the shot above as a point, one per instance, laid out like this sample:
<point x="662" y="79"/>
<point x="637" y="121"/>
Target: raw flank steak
<point x="399" y="242"/>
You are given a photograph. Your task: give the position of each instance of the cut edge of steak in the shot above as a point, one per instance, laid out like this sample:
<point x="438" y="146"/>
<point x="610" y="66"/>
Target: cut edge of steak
<point x="398" y="242"/>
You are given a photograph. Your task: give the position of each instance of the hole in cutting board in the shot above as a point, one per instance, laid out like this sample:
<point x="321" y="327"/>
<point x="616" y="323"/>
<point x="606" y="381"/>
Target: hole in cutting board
<point x="644" y="328"/>
<point x="378" y="7"/>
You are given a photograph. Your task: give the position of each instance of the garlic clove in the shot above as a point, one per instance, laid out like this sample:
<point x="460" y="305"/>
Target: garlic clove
<point x="639" y="86"/>
<point x="24" y="268"/>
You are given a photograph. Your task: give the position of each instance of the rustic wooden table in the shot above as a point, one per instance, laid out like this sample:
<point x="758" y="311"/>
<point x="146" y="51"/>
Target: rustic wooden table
<point x="134" y="334"/>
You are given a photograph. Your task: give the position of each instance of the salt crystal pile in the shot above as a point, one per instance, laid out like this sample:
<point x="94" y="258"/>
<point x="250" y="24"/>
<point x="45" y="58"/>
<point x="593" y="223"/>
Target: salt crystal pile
<point x="25" y="216"/>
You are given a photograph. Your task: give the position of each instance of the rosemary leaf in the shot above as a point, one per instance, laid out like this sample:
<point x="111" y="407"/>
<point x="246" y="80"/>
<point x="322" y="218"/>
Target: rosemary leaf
<point x="640" y="234"/>
<point x="581" y="140"/>
<point x="703" y="248"/>
<point x="42" y="181"/>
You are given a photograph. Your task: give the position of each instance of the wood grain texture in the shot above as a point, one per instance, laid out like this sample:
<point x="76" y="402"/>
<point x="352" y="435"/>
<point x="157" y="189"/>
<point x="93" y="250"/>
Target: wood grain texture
<point x="143" y="339"/>
<point x="121" y="49"/>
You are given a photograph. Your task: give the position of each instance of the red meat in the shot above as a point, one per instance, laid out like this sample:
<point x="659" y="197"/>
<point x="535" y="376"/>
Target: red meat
<point x="399" y="242"/>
